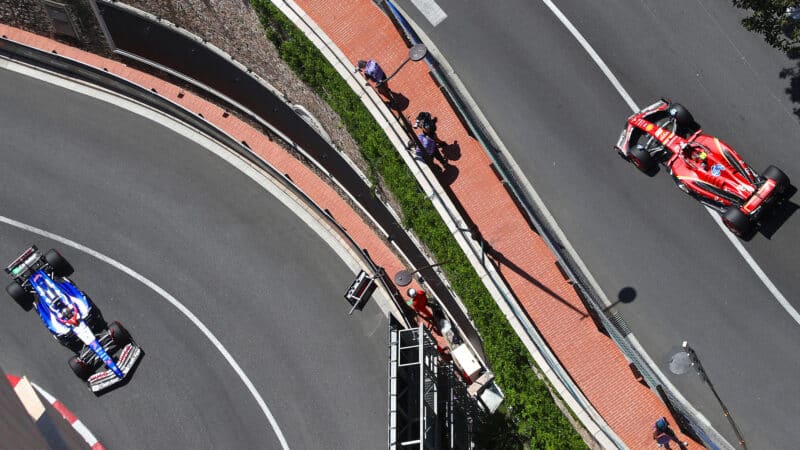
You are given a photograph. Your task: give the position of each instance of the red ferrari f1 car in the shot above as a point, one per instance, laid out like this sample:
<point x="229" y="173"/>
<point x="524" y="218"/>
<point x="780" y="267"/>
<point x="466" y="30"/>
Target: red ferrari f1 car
<point x="700" y="164"/>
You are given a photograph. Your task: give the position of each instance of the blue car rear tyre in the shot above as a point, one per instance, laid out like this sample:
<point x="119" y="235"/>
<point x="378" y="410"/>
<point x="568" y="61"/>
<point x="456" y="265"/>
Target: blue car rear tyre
<point x="23" y="298"/>
<point x="61" y="267"/>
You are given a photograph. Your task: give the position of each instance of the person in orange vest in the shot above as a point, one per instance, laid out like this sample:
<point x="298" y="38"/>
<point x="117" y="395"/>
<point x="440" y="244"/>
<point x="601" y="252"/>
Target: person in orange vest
<point x="418" y="300"/>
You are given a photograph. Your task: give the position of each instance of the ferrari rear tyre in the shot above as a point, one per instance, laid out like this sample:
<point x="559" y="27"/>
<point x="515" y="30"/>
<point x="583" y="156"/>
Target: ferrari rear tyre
<point x="682" y="115"/>
<point x="781" y="180"/>
<point x="80" y="368"/>
<point x="61" y="267"/>
<point x="737" y="222"/>
<point x="23" y="298"/>
<point x="641" y="159"/>
<point x="119" y="334"/>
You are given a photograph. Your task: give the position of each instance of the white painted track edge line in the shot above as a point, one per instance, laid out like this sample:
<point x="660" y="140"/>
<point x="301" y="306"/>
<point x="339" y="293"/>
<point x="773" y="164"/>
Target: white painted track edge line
<point x="756" y="268"/>
<point x="595" y="57"/>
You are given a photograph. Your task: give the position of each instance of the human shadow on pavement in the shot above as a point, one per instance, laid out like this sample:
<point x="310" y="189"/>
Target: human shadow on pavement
<point x="399" y="102"/>
<point x="451" y="151"/>
<point x="447" y="174"/>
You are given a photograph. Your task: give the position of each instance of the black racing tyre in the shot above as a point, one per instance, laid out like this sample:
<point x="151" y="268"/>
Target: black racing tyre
<point x="737" y="222"/>
<point x="682" y="115"/>
<point x="641" y="159"/>
<point x="781" y="180"/>
<point x="119" y="334"/>
<point x="23" y="298"/>
<point x="80" y="368"/>
<point x="61" y="267"/>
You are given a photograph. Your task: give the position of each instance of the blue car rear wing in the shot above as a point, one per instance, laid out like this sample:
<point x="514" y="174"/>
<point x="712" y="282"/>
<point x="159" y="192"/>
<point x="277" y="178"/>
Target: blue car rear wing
<point x="25" y="264"/>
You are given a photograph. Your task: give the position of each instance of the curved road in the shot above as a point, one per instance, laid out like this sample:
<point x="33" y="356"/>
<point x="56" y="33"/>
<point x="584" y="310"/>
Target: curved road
<point x="256" y="275"/>
<point x="559" y="116"/>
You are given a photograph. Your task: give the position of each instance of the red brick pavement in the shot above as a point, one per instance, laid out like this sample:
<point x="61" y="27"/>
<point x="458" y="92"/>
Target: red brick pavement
<point x="361" y="31"/>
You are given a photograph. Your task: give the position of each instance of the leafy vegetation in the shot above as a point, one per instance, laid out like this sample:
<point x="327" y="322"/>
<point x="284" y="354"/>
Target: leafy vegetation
<point x="777" y="20"/>
<point x="530" y="417"/>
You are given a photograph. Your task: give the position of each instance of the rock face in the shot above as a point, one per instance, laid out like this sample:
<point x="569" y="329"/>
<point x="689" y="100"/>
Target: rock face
<point x="69" y="21"/>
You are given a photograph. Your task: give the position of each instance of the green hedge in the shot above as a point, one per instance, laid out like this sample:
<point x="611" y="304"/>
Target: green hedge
<point x="530" y="418"/>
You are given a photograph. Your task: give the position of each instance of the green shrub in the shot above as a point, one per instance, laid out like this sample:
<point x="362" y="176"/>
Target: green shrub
<point x="530" y="418"/>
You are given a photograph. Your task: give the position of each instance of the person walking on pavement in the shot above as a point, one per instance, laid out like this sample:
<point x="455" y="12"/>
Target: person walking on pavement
<point x="663" y="434"/>
<point x="373" y="72"/>
<point x="426" y="150"/>
<point x="418" y="301"/>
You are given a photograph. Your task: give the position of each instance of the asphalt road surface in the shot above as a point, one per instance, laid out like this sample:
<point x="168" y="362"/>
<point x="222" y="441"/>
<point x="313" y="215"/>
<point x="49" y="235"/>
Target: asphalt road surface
<point x="264" y="284"/>
<point x="559" y="117"/>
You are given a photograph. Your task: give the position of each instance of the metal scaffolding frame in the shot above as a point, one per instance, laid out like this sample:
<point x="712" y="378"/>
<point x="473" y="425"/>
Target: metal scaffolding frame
<point x="429" y="407"/>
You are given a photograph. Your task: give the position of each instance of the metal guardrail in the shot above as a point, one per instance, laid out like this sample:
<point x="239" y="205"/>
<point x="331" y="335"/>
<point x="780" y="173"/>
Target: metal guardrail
<point x="69" y="67"/>
<point x="688" y="422"/>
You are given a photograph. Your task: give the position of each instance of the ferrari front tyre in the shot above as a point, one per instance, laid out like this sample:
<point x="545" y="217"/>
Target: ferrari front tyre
<point x="737" y="222"/>
<point x="119" y="334"/>
<point x="23" y="298"/>
<point x="641" y="159"/>
<point x="780" y="178"/>
<point x="682" y="115"/>
<point x="61" y="267"/>
<point x="80" y="368"/>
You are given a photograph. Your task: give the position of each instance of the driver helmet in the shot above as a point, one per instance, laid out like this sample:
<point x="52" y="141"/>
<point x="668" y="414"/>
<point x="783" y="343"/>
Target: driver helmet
<point x="696" y="153"/>
<point x="411" y="292"/>
<point x="62" y="310"/>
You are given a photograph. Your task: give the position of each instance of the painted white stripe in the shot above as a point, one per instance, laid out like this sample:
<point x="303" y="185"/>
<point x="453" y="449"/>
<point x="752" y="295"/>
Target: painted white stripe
<point x="50" y="399"/>
<point x="595" y="57"/>
<point x="632" y="105"/>
<point x="431" y="10"/>
<point x="84" y="432"/>
<point x="756" y="268"/>
<point x="172" y="300"/>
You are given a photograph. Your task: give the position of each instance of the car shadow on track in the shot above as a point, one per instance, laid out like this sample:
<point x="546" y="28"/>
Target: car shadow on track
<point x="778" y="214"/>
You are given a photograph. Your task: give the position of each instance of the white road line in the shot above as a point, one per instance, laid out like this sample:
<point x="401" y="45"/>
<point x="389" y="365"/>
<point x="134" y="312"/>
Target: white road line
<point x="595" y="57"/>
<point x="168" y="297"/>
<point x="431" y="10"/>
<point x="632" y="105"/>
<point x="756" y="268"/>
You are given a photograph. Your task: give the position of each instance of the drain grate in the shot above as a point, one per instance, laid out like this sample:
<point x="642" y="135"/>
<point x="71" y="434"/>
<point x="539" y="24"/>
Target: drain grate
<point x="620" y="324"/>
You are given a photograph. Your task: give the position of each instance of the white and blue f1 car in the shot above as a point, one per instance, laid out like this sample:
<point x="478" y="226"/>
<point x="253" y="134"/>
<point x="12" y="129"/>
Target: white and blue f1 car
<point x="104" y="353"/>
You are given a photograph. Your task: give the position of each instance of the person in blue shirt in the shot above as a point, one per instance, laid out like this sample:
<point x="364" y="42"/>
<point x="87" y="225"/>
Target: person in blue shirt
<point x="427" y="149"/>
<point x="373" y="72"/>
